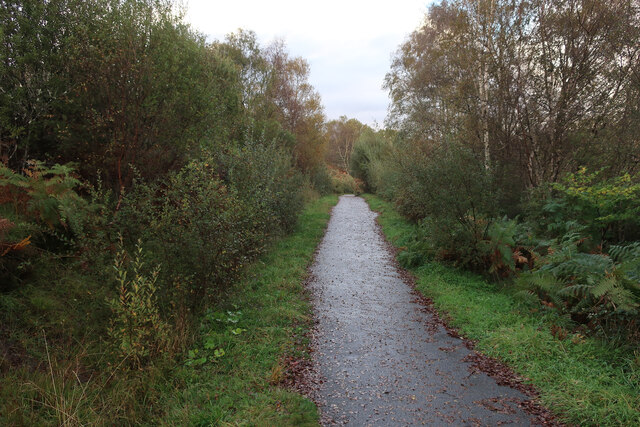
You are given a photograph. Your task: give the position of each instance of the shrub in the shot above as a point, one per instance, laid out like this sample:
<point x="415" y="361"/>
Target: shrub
<point x="263" y="176"/>
<point x="343" y="183"/>
<point x="370" y="159"/>
<point x="193" y="225"/>
<point x="137" y="331"/>
<point x="448" y="189"/>
<point x="321" y="180"/>
<point x="608" y="208"/>
<point x="212" y="217"/>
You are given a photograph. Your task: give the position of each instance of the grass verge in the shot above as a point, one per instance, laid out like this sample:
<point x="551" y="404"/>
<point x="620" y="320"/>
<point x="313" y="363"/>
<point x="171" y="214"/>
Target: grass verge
<point x="584" y="380"/>
<point x="233" y="372"/>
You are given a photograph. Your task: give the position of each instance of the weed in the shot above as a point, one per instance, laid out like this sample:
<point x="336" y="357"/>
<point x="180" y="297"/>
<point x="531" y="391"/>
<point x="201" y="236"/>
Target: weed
<point x="137" y="330"/>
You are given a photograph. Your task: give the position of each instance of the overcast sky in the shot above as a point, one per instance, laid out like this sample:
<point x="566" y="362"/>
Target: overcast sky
<point x="348" y="43"/>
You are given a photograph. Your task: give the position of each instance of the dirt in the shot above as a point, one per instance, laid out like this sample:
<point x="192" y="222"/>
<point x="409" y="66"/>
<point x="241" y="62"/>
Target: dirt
<point x="382" y="356"/>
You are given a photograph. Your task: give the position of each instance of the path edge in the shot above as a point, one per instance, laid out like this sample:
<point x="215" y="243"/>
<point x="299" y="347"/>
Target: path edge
<point x="500" y="372"/>
<point x="300" y="372"/>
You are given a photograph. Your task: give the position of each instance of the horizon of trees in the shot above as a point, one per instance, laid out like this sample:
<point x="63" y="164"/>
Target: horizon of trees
<point x="534" y="88"/>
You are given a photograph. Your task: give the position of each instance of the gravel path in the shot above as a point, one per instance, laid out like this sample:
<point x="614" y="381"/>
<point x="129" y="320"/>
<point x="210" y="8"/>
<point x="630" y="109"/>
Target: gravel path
<point x="383" y="359"/>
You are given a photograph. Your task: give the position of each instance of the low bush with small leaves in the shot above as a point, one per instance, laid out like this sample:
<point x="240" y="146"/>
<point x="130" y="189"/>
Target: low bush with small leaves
<point x="320" y="179"/>
<point x="137" y="330"/>
<point x="343" y="183"/>
<point x="211" y="218"/>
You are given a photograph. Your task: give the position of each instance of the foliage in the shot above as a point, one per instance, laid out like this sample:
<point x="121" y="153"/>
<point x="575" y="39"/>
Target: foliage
<point x="343" y="183"/>
<point x="511" y="248"/>
<point x="194" y="225"/>
<point x="530" y="86"/>
<point x="277" y="96"/>
<point x="320" y="179"/>
<point x="593" y="288"/>
<point x="586" y="380"/>
<point x="293" y="102"/>
<point x="273" y="315"/>
<point x="200" y="224"/>
<point x="369" y="159"/>
<point x="117" y="84"/>
<point x="417" y="246"/>
<point x="341" y="136"/>
<point x="137" y="331"/>
<point x="215" y="343"/>
<point x="46" y="194"/>
<point x="43" y="210"/>
<point x="609" y="208"/>
<point x="200" y="150"/>
<point x="262" y="175"/>
<point x="448" y="189"/>
<point x="452" y="185"/>
<point x="15" y="248"/>
<point x="500" y="110"/>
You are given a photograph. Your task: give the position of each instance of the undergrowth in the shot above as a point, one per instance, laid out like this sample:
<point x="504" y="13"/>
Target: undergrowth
<point x="232" y="373"/>
<point x="67" y="358"/>
<point x="585" y="380"/>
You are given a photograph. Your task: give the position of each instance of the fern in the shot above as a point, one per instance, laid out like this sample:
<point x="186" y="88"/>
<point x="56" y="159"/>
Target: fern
<point x="593" y="288"/>
<point x="622" y="253"/>
<point x="543" y="285"/>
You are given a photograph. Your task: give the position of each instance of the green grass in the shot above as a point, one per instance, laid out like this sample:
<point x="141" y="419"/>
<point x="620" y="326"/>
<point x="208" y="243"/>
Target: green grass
<point x="73" y="377"/>
<point x="584" y="380"/>
<point x="267" y="311"/>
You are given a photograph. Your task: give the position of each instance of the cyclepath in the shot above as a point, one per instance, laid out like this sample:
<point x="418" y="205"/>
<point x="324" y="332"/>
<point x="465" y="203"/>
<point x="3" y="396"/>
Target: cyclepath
<point x="383" y="359"/>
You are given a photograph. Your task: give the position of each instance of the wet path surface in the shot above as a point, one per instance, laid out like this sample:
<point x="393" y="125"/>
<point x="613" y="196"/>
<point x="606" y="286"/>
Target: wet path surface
<point x="385" y="360"/>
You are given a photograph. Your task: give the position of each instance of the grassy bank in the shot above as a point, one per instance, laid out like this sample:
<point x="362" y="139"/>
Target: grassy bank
<point x="55" y="366"/>
<point x="584" y="380"/>
<point x="232" y="373"/>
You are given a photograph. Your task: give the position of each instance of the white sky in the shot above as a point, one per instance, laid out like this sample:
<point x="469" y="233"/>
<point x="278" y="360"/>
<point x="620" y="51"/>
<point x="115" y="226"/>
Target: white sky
<point x="348" y="43"/>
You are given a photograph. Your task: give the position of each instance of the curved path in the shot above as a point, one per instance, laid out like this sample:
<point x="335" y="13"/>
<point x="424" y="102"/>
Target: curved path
<point x="383" y="359"/>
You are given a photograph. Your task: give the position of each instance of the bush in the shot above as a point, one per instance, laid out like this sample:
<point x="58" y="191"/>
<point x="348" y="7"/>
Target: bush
<point x="137" y="331"/>
<point x="370" y="159"/>
<point x="321" y="180"/>
<point x="449" y="190"/>
<point x="609" y="209"/>
<point x="211" y="218"/>
<point x="343" y="183"/>
<point x="263" y="176"/>
<point x="194" y="225"/>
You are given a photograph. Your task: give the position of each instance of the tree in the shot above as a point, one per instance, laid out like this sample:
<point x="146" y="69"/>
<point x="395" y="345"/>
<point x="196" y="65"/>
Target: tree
<point x="298" y="105"/>
<point x="535" y="88"/>
<point x="278" y="99"/>
<point x="112" y="85"/>
<point x="341" y="136"/>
